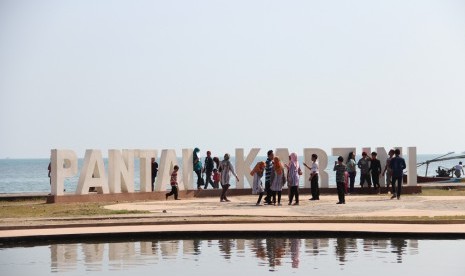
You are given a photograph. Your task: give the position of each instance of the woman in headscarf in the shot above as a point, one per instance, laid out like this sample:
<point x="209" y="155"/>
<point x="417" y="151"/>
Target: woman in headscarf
<point x="198" y="168"/>
<point x="226" y="168"/>
<point x="277" y="180"/>
<point x="257" y="187"/>
<point x="294" y="173"/>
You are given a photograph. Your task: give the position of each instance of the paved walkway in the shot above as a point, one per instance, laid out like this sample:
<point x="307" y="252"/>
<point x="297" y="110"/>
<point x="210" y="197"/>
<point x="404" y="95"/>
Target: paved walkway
<point x="361" y="214"/>
<point x="356" y="206"/>
<point x="242" y="228"/>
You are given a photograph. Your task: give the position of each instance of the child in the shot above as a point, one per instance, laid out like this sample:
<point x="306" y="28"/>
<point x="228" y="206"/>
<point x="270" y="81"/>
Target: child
<point x="257" y="187"/>
<point x="174" y="184"/>
<point x="216" y="178"/>
<point x="340" y="170"/>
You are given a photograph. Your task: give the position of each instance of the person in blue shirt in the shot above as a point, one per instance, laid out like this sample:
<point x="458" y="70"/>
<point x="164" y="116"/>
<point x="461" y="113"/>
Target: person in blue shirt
<point x="198" y="168"/>
<point x="397" y="167"/>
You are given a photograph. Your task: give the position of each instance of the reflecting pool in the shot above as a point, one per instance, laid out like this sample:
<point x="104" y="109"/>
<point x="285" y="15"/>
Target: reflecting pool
<point x="311" y="256"/>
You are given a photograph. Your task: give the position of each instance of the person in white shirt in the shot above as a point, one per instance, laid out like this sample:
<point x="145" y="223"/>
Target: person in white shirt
<point x="314" y="178"/>
<point x="459" y="170"/>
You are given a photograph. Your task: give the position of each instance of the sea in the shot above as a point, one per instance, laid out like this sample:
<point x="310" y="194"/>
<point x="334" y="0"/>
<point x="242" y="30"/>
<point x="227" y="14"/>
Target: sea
<point x="31" y="175"/>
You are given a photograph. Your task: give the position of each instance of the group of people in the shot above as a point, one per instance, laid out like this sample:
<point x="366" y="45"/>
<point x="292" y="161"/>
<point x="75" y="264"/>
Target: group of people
<point x="370" y="173"/>
<point x="219" y="173"/>
<point x="216" y="173"/>
<point x="370" y="169"/>
<point x="275" y="179"/>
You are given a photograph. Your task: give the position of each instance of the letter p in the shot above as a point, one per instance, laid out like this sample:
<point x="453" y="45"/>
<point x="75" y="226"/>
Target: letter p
<point x="64" y="164"/>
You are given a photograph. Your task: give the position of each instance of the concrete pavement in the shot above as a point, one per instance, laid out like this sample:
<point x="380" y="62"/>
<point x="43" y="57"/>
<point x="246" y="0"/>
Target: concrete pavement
<point x="362" y="214"/>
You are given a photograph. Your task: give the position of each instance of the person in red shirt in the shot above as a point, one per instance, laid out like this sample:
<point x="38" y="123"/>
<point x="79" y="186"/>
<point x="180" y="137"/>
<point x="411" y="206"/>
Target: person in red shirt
<point x="216" y="178"/>
<point x="174" y="184"/>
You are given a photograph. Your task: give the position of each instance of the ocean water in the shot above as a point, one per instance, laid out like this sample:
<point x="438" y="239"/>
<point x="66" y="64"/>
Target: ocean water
<point x="30" y="175"/>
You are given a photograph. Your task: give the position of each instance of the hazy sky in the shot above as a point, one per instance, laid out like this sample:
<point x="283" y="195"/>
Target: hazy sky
<point x="227" y="74"/>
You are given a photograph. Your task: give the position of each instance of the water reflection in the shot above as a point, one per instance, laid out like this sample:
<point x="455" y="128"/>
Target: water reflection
<point x="225" y="246"/>
<point x="270" y="254"/>
<point x="398" y="246"/>
<point x="341" y="246"/>
<point x="65" y="256"/>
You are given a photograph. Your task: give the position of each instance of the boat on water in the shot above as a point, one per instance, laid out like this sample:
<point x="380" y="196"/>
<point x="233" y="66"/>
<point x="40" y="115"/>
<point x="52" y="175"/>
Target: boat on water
<point x="429" y="179"/>
<point x="443" y="174"/>
<point x="426" y="179"/>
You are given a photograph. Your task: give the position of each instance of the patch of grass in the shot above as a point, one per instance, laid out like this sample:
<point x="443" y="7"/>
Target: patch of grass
<point x="39" y="209"/>
<point x="446" y="191"/>
<point x="406" y="219"/>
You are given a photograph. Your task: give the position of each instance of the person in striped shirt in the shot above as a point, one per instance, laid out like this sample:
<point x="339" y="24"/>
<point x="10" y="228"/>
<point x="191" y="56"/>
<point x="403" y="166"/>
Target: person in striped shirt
<point x="174" y="184"/>
<point x="268" y="170"/>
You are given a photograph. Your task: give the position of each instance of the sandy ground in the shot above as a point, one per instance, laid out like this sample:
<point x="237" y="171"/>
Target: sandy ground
<point x="361" y="213"/>
<point x="356" y="206"/>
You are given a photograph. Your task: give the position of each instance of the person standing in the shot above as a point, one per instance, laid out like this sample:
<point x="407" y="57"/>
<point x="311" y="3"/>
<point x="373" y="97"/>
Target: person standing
<point x="226" y="168"/>
<point x="268" y="170"/>
<point x="346" y="182"/>
<point x="340" y="170"/>
<point x="216" y="160"/>
<point x="216" y="173"/>
<point x="375" y="169"/>
<point x="257" y="187"/>
<point x="216" y="178"/>
<point x="278" y="179"/>
<point x="208" y="170"/>
<point x="198" y="168"/>
<point x="352" y="171"/>
<point x="364" y="166"/>
<point x="397" y="166"/>
<point x="314" y="178"/>
<point x="50" y="172"/>
<point x="174" y="184"/>
<point x="387" y="169"/>
<point x="458" y="170"/>
<point x="293" y="176"/>
<point x="154" y="172"/>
